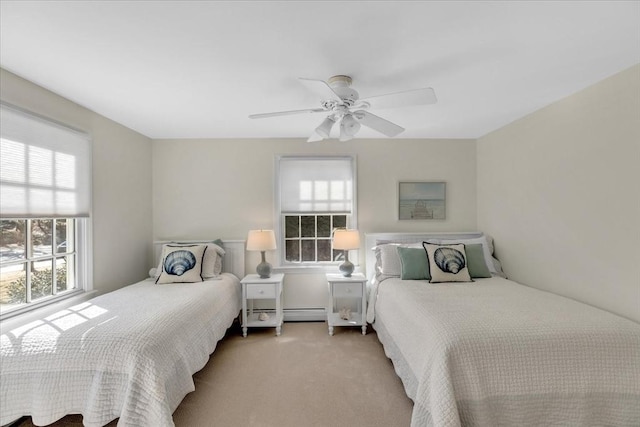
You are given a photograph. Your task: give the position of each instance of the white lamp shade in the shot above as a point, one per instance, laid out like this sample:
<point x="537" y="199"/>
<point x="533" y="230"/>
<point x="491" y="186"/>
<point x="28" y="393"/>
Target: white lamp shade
<point x="348" y="127"/>
<point x="261" y="240"/>
<point x="346" y="239"/>
<point x="325" y="127"/>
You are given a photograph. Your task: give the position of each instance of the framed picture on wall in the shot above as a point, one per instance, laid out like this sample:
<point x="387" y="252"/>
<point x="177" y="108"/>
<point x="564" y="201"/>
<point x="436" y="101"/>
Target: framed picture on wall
<point x="421" y="200"/>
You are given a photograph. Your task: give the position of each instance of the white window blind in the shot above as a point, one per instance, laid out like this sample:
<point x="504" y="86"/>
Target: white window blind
<point x="45" y="167"/>
<point x="318" y="184"/>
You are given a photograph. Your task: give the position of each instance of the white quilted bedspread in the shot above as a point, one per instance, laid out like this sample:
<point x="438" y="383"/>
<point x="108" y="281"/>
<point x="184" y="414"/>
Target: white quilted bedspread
<point x="496" y="353"/>
<point x="129" y="354"/>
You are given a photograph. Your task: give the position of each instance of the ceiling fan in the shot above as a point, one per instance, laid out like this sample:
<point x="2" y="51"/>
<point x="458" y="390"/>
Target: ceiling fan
<point x="343" y="105"/>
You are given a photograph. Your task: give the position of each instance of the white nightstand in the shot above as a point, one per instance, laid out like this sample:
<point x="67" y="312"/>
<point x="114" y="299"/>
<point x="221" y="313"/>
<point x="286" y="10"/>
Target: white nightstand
<point x="253" y="288"/>
<point x="343" y="288"/>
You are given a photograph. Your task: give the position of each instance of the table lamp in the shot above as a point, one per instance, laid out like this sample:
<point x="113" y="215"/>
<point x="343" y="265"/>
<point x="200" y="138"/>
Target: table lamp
<point x="262" y="240"/>
<point x="346" y="240"/>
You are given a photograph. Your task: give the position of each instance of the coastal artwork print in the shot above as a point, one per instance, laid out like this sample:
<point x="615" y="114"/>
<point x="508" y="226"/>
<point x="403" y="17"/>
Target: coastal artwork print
<point x="419" y="200"/>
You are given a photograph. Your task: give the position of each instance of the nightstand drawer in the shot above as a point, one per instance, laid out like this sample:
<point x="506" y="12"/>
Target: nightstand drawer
<point x="341" y="290"/>
<point x="260" y="291"/>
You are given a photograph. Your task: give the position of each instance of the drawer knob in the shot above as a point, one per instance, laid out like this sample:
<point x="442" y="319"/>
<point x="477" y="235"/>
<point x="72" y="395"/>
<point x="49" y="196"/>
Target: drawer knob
<point x="261" y="291"/>
<point x="348" y="290"/>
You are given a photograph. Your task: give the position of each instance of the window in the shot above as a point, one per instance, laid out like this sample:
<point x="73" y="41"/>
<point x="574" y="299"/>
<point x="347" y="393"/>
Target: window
<point x="307" y="238"/>
<point x="37" y="259"/>
<point x="45" y="181"/>
<point x="315" y="195"/>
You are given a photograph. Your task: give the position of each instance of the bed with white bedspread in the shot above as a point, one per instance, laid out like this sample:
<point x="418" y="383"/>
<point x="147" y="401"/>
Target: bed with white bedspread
<point x="128" y="354"/>
<point x="494" y="352"/>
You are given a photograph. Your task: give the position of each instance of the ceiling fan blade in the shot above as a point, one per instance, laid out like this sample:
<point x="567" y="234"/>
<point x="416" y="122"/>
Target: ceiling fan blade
<point x="378" y="123"/>
<point x="286" y="113"/>
<point x="322" y="88"/>
<point x="406" y="98"/>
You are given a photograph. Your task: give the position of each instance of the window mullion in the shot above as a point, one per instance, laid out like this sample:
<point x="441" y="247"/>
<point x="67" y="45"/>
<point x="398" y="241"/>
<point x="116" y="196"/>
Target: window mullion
<point x="299" y="238"/>
<point x="315" y="237"/>
<point x="28" y="248"/>
<point x="54" y="260"/>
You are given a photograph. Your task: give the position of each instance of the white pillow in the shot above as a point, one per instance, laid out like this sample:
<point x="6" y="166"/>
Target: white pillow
<point x="212" y="264"/>
<point x="447" y="263"/>
<point x="498" y="265"/>
<point x="181" y="263"/>
<point x="390" y="264"/>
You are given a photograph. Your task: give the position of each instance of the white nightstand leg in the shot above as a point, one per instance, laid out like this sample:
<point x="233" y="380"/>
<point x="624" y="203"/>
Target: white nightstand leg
<point x="279" y="314"/>
<point x="244" y="310"/>
<point x="331" y="331"/>
<point x="363" y="310"/>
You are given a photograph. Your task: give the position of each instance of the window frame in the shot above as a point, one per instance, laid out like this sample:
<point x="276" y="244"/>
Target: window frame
<point x="81" y="265"/>
<point x="279" y="217"/>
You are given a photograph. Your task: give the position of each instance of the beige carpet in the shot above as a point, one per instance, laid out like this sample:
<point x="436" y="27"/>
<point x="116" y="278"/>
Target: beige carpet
<point x="302" y="378"/>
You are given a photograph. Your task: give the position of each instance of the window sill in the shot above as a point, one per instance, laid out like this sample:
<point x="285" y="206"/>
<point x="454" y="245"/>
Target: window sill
<point x="43" y="308"/>
<point x="310" y="269"/>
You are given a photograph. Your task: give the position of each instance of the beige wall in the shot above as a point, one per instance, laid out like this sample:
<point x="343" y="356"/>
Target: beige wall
<point x="560" y="192"/>
<point x="121" y="183"/>
<point x="558" y="189"/>
<point x="223" y="188"/>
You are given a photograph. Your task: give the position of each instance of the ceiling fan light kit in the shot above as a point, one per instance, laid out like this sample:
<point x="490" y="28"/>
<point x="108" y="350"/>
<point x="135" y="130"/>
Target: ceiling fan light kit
<point x="344" y="105"/>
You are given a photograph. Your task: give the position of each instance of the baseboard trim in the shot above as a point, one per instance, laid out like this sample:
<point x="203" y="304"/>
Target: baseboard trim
<point x="305" y="314"/>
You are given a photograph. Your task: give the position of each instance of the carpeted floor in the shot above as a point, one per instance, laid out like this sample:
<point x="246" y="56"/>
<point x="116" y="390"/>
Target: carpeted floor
<point x="302" y="378"/>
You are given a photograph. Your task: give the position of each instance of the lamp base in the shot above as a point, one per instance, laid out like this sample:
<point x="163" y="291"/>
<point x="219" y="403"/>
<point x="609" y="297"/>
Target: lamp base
<point x="346" y="268"/>
<point x="264" y="268"/>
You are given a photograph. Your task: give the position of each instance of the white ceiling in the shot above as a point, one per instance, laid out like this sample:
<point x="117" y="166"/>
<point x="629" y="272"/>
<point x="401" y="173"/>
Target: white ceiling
<point x="178" y="69"/>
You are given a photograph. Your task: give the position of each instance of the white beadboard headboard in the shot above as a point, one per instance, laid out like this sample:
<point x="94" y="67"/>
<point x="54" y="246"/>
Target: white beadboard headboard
<point x="232" y="262"/>
<point x="372" y="239"/>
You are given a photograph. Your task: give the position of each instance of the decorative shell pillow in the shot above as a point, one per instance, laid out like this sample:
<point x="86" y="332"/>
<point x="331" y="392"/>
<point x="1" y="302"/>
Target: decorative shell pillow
<point x="211" y="263"/>
<point x="181" y="263"/>
<point x="447" y="263"/>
